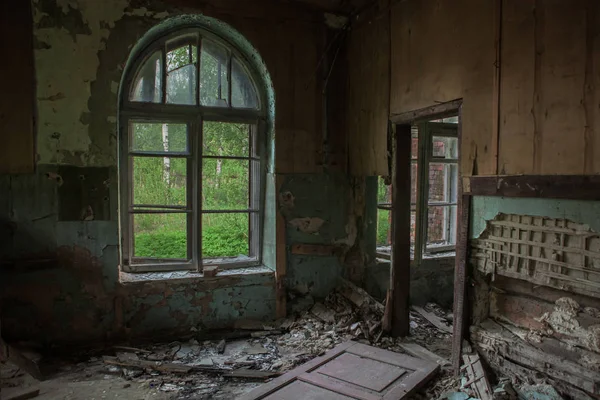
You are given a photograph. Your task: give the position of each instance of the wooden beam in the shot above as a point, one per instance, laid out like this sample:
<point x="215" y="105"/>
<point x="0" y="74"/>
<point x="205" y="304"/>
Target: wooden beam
<point x="280" y="256"/>
<point x="575" y="187"/>
<point x="428" y="113"/>
<point x="400" y="275"/>
<point x="460" y="267"/>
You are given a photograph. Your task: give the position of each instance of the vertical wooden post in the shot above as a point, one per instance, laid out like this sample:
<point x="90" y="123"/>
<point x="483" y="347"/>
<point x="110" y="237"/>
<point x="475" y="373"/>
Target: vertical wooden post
<point x="460" y="267"/>
<point x="400" y="274"/>
<point x="280" y="256"/>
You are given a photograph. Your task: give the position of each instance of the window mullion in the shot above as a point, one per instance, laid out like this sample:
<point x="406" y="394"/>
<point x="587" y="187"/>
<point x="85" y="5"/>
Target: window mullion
<point x="229" y="81"/>
<point x="164" y="74"/>
<point x="198" y="59"/>
<point x="197" y="192"/>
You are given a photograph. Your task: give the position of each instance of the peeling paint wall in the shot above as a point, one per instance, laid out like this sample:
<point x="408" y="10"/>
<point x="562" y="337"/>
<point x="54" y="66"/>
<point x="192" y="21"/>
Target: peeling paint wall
<point x="535" y="273"/>
<point x="59" y="226"/>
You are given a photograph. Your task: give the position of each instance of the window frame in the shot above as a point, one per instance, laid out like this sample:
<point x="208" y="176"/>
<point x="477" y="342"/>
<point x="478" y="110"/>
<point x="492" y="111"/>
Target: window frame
<point x="194" y="116"/>
<point x="425" y="132"/>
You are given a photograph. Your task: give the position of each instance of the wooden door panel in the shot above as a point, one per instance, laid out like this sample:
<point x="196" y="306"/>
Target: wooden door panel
<point x="350" y="371"/>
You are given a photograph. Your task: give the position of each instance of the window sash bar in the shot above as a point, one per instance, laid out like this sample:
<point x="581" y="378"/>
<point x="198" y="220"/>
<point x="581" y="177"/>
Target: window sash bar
<point x="247" y="211"/>
<point x="167" y="207"/>
<point x="160" y="154"/>
<point x="232" y="158"/>
<point x="135" y="211"/>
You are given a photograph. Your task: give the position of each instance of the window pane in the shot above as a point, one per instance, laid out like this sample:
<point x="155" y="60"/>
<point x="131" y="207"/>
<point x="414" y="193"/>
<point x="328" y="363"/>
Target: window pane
<point x="214" y="86"/>
<point x="383" y="228"/>
<point x="441" y="222"/>
<point x="243" y="92"/>
<point x="442" y="182"/>
<point x="147" y="86"/>
<point x="154" y="136"/>
<point x="159" y="181"/>
<point x="181" y="85"/>
<point x="413" y="183"/>
<point x="384" y="192"/>
<point x="225" y="184"/>
<point x="413" y="233"/>
<point x="446" y="147"/>
<point x="224" y="235"/>
<point x="225" y="139"/>
<point x="414" y="149"/>
<point x="160" y="236"/>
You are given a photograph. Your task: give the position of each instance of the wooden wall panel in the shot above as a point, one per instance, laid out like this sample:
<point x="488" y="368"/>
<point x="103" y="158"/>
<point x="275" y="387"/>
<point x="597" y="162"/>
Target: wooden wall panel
<point x="560" y="121"/>
<point x="17" y="153"/>
<point x="442" y="51"/>
<point x="291" y="49"/>
<point x="517" y="87"/>
<point x="549" y="99"/>
<point x="368" y="92"/>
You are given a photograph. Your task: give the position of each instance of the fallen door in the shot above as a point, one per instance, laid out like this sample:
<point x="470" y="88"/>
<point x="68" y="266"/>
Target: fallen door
<point x="350" y="371"/>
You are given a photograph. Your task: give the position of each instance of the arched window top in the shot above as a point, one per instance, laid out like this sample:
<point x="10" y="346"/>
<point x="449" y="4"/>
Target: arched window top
<point x="195" y="130"/>
<point x="196" y="68"/>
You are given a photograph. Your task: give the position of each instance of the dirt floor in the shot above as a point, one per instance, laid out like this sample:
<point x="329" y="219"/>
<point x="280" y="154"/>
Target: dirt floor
<point x="201" y="368"/>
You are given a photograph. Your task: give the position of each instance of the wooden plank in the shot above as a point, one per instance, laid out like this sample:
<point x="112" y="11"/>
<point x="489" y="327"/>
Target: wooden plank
<point x="351" y="371"/>
<point x="20" y="394"/>
<point x="521" y="287"/>
<point x="17" y="110"/>
<point x="575" y="187"/>
<point x="561" y="46"/>
<point x="477" y="379"/>
<point x="280" y="256"/>
<point x="308" y="249"/>
<point x="516" y="88"/>
<point x="495" y="142"/>
<point x="400" y="271"/>
<point x="436" y="111"/>
<point x="460" y="264"/>
<point x="491" y="337"/>
<point x="368" y="84"/>
<point x="421" y="352"/>
<point x="433" y="319"/>
<point x="460" y="281"/>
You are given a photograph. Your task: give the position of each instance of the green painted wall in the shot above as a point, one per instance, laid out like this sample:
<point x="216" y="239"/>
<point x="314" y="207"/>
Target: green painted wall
<point x="485" y="208"/>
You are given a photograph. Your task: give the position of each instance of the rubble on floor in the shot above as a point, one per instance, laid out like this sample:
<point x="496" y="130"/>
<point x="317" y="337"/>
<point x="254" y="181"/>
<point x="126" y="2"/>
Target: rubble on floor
<point x="225" y="365"/>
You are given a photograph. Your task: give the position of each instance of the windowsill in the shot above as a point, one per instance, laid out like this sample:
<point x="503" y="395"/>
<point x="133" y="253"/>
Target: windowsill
<point x="138" y="277"/>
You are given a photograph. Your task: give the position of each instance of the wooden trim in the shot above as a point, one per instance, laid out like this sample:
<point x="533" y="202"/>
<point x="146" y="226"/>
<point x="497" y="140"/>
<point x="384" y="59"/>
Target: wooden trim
<point x="400" y="271"/>
<point x="428" y="113"/>
<point x="460" y="264"/>
<point x="574" y="187"/>
<point x="495" y="144"/>
<point x="280" y="256"/>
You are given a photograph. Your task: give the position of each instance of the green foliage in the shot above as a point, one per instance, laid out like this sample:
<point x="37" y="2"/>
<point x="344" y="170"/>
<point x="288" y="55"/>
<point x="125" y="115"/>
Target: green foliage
<point x="384" y="195"/>
<point x="163" y="181"/>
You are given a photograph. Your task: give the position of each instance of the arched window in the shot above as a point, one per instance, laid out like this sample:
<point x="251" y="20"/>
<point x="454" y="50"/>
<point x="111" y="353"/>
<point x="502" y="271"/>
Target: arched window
<point x="191" y="156"/>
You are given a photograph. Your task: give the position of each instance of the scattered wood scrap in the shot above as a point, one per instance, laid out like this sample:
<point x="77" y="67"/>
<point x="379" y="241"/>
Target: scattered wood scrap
<point x="12" y="354"/>
<point x="433" y="319"/>
<point x="156" y="365"/>
<point x="131" y="349"/>
<point x="251" y="374"/>
<point x="21" y="394"/>
<point x="421" y="352"/>
<point x="477" y="379"/>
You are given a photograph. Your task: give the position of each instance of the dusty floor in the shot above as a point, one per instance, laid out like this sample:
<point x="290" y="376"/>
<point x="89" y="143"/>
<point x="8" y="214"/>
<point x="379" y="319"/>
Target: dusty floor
<point x="274" y="348"/>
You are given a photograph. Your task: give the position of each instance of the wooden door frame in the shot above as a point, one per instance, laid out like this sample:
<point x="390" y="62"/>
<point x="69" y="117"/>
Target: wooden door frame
<point x="401" y="191"/>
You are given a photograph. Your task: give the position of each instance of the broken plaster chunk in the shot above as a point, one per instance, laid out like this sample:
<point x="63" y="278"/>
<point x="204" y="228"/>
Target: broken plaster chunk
<point x="310" y="225"/>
